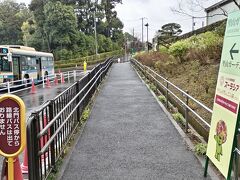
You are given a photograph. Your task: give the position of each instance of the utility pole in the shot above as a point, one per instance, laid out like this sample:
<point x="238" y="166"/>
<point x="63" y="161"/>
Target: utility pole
<point x="95" y="33"/>
<point x="133" y="42"/>
<point x="193" y="23"/>
<point x="142" y="29"/>
<point x="147" y="37"/>
<point x="95" y="28"/>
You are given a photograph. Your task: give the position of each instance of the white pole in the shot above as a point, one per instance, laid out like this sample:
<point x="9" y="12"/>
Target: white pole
<point x="43" y="79"/>
<point x="8" y="86"/>
<point x="74" y="75"/>
<point x="68" y="77"/>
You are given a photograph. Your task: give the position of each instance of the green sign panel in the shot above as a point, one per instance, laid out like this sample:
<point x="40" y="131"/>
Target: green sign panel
<point x="226" y="103"/>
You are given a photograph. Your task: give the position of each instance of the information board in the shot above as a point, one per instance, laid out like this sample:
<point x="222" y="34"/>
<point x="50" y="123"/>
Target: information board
<point x="12" y="126"/>
<point x="226" y="103"/>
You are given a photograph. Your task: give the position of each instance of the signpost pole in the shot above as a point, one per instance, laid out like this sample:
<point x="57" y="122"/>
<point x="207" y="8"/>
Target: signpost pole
<point x="206" y="167"/>
<point x="10" y="169"/>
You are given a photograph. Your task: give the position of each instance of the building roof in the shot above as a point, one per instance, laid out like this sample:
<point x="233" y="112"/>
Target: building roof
<point x="217" y="5"/>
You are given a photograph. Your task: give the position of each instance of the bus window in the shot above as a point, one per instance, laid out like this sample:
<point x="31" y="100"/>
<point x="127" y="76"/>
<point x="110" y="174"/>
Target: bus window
<point x="50" y="61"/>
<point x="31" y="61"/>
<point x="44" y="62"/>
<point x="24" y="63"/>
<point x="5" y="65"/>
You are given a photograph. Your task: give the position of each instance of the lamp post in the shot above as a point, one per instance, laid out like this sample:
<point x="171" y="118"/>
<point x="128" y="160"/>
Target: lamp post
<point x="142" y="31"/>
<point x="147" y="36"/>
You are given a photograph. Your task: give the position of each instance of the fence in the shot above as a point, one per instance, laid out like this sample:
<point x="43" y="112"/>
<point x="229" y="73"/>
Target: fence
<point x="50" y="128"/>
<point x="25" y="84"/>
<point x="182" y="100"/>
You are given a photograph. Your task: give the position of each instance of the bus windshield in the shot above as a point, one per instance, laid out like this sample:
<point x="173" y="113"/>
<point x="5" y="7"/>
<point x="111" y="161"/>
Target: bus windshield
<point x="5" y="65"/>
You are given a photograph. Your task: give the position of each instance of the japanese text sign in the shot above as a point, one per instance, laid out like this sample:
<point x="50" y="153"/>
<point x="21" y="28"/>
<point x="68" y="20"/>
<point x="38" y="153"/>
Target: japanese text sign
<point x="226" y="103"/>
<point x="12" y="126"/>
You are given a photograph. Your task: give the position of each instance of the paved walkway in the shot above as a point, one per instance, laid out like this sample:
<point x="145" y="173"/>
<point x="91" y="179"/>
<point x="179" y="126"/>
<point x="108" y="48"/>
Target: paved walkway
<point x="128" y="136"/>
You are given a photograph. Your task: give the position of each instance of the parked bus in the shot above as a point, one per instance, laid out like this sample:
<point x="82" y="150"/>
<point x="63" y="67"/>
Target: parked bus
<point x="21" y="63"/>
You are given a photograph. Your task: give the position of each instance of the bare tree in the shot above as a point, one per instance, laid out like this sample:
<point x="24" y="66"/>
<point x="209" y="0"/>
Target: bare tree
<point x="235" y="2"/>
<point x="196" y="6"/>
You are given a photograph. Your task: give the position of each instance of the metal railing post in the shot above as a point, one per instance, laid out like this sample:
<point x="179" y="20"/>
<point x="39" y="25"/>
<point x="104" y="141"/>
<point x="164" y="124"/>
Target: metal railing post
<point x="52" y="131"/>
<point x="8" y="87"/>
<point x="78" y="99"/>
<point x="33" y="149"/>
<point x="167" y="94"/>
<point x="186" y="113"/>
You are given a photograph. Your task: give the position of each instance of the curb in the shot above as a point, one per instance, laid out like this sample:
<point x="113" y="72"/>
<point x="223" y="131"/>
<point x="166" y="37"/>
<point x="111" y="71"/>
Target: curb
<point x="211" y="173"/>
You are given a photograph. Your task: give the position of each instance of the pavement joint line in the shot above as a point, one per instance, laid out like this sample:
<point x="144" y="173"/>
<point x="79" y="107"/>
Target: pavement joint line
<point x="213" y="175"/>
<point x="66" y="159"/>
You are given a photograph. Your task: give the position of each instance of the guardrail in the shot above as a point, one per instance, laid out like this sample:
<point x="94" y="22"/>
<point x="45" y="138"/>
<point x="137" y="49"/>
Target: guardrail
<point x="24" y="84"/>
<point x="50" y="128"/>
<point x="181" y="99"/>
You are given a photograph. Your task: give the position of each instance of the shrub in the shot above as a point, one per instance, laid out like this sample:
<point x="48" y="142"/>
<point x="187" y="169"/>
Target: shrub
<point x="179" y="118"/>
<point x="153" y="87"/>
<point x="63" y="54"/>
<point x="85" y="114"/>
<point x="220" y="30"/>
<point x="163" y="49"/>
<point x="179" y="49"/>
<point x="200" y="148"/>
<point x="162" y="99"/>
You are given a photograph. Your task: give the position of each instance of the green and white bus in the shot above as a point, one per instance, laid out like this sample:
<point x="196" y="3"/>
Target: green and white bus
<point x="21" y="63"/>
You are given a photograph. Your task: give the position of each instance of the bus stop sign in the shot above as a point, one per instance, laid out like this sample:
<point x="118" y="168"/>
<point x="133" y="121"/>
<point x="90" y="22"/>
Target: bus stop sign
<point x="12" y="126"/>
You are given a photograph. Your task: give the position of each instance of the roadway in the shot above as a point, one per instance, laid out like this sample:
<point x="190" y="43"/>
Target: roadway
<point x="34" y="101"/>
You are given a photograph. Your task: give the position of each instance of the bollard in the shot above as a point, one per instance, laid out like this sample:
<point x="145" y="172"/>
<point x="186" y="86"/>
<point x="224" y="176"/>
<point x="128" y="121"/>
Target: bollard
<point x="33" y="88"/>
<point x="85" y="66"/>
<point x="8" y="87"/>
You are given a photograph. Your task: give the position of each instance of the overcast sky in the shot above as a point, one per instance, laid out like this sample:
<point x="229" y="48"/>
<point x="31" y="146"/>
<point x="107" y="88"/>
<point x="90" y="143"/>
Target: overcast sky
<point x="156" y="13"/>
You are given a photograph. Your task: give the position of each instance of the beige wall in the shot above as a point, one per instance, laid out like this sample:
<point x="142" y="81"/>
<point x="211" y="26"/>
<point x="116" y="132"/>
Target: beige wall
<point x="213" y="17"/>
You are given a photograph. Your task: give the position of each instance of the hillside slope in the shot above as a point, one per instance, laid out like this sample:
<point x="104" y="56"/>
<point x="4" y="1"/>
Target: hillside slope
<point x="192" y="63"/>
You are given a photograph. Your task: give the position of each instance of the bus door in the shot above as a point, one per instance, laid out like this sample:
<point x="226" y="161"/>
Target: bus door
<point x="17" y="73"/>
<point x="39" y="68"/>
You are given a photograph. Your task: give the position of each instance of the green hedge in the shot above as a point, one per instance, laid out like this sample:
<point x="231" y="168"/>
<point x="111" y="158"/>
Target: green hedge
<point x="88" y="59"/>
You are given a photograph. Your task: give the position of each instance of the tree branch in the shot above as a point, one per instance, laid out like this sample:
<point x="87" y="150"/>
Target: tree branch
<point x="235" y="2"/>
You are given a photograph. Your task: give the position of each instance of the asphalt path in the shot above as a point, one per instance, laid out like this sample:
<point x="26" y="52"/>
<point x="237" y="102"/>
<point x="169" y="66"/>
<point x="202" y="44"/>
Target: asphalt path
<point x="128" y="136"/>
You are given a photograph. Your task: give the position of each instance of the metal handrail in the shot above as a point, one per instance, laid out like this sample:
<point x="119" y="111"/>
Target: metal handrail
<point x="152" y="73"/>
<point x="10" y="86"/>
<point x="43" y="131"/>
<point x="50" y="127"/>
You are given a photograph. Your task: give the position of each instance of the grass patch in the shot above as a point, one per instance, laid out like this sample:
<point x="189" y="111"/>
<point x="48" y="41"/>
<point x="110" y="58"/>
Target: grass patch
<point x="153" y="87"/>
<point x="178" y="117"/>
<point x="162" y="99"/>
<point x="86" y="114"/>
<point x="200" y="149"/>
